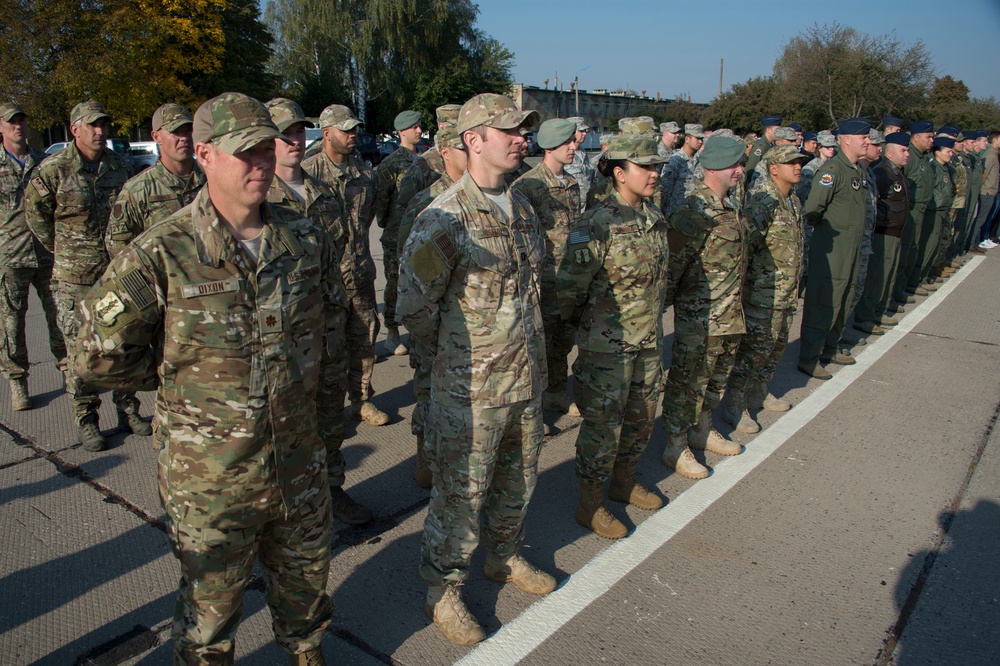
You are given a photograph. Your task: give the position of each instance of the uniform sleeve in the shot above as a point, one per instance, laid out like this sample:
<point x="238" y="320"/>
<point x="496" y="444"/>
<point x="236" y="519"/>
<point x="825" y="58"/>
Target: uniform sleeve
<point x="671" y="197"/>
<point x="122" y="326"/>
<point x="385" y="183"/>
<point x="425" y="267"/>
<point x="684" y="238"/>
<point x="823" y="186"/>
<point x="410" y="185"/>
<point x="39" y="209"/>
<point x="583" y="258"/>
<point x="127" y="221"/>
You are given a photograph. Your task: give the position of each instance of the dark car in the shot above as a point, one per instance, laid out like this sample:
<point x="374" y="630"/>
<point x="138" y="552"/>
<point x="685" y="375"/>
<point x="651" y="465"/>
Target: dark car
<point x="533" y="148"/>
<point x="424" y="145"/>
<point x="368" y="147"/>
<point x="388" y="147"/>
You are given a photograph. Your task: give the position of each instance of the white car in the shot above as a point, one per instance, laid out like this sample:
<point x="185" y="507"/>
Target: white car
<point x="144" y="154"/>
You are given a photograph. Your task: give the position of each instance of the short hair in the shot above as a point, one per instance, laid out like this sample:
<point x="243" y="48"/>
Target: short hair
<point x="994" y="135"/>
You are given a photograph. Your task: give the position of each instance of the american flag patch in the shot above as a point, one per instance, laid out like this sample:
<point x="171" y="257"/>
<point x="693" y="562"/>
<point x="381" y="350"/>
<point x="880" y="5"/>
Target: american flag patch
<point x="579" y="236"/>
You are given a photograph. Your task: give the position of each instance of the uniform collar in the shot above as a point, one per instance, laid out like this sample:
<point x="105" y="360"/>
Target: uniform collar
<point x="215" y="244"/>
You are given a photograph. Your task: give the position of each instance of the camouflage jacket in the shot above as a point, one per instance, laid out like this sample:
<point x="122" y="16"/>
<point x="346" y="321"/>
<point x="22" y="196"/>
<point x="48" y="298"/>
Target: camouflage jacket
<point x="18" y="247"/>
<point x="387" y="178"/>
<point x="613" y="276"/>
<point x="581" y="170"/>
<point x="554" y="202"/>
<point x="707" y="265"/>
<point x="237" y="351"/>
<point x="919" y="176"/>
<point x="354" y="186"/>
<point x="944" y="188"/>
<point x="423" y="171"/>
<point x="419" y="203"/>
<point x="960" y="177"/>
<point x="67" y="207"/>
<point x="774" y="249"/>
<point x="677" y="180"/>
<point x="469" y="291"/>
<point x="153" y="195"/>
<point x="321" y="207"/>
<point x="664" y="154"/>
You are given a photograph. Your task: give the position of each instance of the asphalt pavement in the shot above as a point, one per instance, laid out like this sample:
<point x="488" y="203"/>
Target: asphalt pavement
<point x="858" y="528"/>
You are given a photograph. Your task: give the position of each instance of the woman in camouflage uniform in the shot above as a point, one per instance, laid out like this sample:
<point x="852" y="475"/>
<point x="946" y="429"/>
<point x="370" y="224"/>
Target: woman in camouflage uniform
<point x="611" y="284"/>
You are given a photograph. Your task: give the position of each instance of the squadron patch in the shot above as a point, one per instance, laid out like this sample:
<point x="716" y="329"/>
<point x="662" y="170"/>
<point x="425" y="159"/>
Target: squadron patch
<point x="582" y="256"/>
<point x="896" y="187"/>
<point x="758" y="152"/>
<point x="107" y="309"/>
<point x="826" y="180"/>
<point x="856" y="183"/>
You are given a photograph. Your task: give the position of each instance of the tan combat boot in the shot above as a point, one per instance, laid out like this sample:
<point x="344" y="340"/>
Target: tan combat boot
<point x="423" y="473"/>
<point x="758" y="397"/>
<point x="704" y="437"/>
<point x="445" y="607"/>
<point x="592" y="514"/>
<point x="625" y="489"/>
<point x="678" y="457"/>
<point x="19" y="400"/>
<point x="347" y="510"/>
<point x="393" y="344"/>
<point x="515" y="569"/>
<point x="734" y="412"/>
<point x="313" y="657"/>
<point x="364" y="410"/>
<point x="560" y="404"/>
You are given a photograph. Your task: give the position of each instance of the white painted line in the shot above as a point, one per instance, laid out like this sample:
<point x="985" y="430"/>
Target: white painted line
<point x="517" y="639"/>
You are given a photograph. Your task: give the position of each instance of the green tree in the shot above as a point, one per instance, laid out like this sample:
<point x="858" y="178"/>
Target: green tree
<point x="741" y="107"/>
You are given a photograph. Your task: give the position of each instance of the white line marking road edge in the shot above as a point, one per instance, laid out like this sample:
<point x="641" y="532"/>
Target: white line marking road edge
<point x="518" y="638"/>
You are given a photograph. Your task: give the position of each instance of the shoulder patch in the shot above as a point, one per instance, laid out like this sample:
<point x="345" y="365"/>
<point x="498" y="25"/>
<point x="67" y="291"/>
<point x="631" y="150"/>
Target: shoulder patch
<point x="107" y="309"/>
<point x="826" y="180"/>
<point x="117" y="210"/>
<point x="137" y="289"/>
<point x="579" y="236"/>
<point x="758" y="152"/>
<point x="445" y="247"/>
<point x="39" y="187"/>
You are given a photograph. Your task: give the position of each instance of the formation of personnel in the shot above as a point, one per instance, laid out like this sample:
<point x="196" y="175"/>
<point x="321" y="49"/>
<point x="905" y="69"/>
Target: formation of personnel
<point x="235" y="279"/>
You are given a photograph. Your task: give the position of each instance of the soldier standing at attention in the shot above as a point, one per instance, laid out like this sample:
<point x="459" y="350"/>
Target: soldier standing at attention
<point x="429" y="166"/>
<point x="770" y="289"/>
<point x="67" y="205"/>
<point x="921" y="188"/>
<point x="872" y="156"/>
<point x="705" y="281"/>
<point x="809" y="144"/>
<point x="891" y="125"/>
<point x="245" y="480"/>
<point x="455" y="161"/>
<point x="581" y="168"/>
<point x="23" y="260"/>
<point x="764" y="143"/>
<point x="341" y="169"/>
<point x="611" y="283"/>
<point x="941" y="202"/>
<point x="387" y="215"/>
<point x="836" y="211"/>
<point x="677" y="175"/>
<point x="553" y="194"/>
<point x="468" y="290"/>
<point x="670" y="132"/>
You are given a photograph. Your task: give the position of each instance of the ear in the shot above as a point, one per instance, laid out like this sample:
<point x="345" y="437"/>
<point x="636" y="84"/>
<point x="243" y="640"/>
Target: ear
<point x="74" y="129"/>
<point x="473" y="142"/>
<point x="205" y="154"/>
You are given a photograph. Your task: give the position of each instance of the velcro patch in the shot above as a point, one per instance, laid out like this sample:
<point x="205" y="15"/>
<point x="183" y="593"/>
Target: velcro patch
<point x="582" y="257"/>
<point x="427" y="263"/>
<point x="270" y="320"/>
<point x="625" y="229"/>
<point x="116" y="211"/>
<point x="303" y="274"/>
<point x="107" y="309"/>
<point x="579" y="236"/>
<point x="445" y="247"/>
<point x="137" y="289"/>
<point x="39" y="187"/>
<point x="207" y="288"/>
<point x="491" y="232"/>
<point x="826" y="180"/>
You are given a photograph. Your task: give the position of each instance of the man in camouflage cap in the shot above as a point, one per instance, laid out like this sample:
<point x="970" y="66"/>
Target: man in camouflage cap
<point x="580" y="169"/>
<point x="23" y="260"/>
<point x="468" y="291"/>
<point x="67" y="206"/>
<point x="669" y="133"/>
<point x="260" y="488"/>
<point x="389" y="174"/>
<point x="341" y="169"/>
<point x="678" y="174"/>
<point x="770" y="288"/>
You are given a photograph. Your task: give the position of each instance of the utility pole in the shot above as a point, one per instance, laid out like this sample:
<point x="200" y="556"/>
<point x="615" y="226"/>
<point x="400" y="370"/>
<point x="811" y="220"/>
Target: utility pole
<point x="720" y="77"/>
<point x="576" y="88"/>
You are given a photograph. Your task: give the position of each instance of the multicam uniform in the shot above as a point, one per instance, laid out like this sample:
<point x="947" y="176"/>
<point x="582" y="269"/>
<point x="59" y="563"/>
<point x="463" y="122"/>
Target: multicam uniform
<point x="611" y="283"/>
<point x="705" y="278"/>
<point x="23" y="263"/>
<point x="469" y="291"/>
<point x="67" y="205"/>
<point x="677" y="180"/>
<point x="555" y="203"/>
<point x="960" y="176"/>
<point x="583" y="173"/>
<point x="242" y="471"/>
<point x="387" y="214"/>
<point x="421" y="174"/>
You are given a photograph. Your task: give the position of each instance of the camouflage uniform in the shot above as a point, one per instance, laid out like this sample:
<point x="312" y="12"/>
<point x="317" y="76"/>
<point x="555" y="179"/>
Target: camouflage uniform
<point x="677" y="180"/>
<point x="421" y="174"/>
<point x="23" y="262"/>
<point x="241" y="469"/>
<point x="960" y="176"/>
<point x="760" y="146"/>
<point x="67" y="206"/>
<point x="387" y="215"/>
<point x="354" y="186"/>
<point x="771" y="287"/>
<point x="584" y="174"/>
<point x="469" y="291"/>
<point x="554" y="201"/>
<point x="611" y="284"/>
<point x="707" y="265"/>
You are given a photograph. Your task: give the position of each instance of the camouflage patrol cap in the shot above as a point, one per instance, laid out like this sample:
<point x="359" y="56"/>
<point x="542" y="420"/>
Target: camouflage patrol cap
<point x="826" y="139"/>
<point x="448" y="113"/>
<point x="875" y="137"/>
<point x="492" y="110"/>
<point x="581" y="124"/>
<point x="285" y="113"/>
<point x="448" y="137"/>
<point x="695" y="130"/>
<point x="405" y="120"/>
<point x="722" y="152"/>
<point x="640" y="126"/>
<point x="605" y="138"/>
<point x="9" y="109"/>
<point x="170" y="117"/>
<point x="725" y="131"/>
<point x="784" y="155"/>
<point x="670" y="127"/>
<point x="88" y="112"/>
<point x="785" y="134"/>
<point x="233" y="122"/>
<point x="338" y="116"/>
<point x="635" y="149"/>
<point x="555" y="132"/>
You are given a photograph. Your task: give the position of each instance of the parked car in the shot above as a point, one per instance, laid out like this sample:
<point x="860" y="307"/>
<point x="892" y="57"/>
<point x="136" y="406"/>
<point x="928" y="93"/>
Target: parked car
<point x="144" y="154"/>
<point x="368" y="147"/>
<point x="120" y="146"/>
<point x="387" y="147"/>
<point x="533" y="148"/>
<point x="313" y="135"/>
<point x="56" y="147"/>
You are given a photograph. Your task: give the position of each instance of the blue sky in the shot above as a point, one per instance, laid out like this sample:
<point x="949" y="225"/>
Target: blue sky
<point x="673" y="47"/>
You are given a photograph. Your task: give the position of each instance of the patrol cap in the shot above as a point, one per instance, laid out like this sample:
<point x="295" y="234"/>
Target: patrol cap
<point x="339" y="117"/>
<point x="921" y="127"/>
<point x="797" y="127"/>
<point x="581" y="124"/>
<point x="784" y="155"/>
<point x="826" y="139"/>
<point x="447" y="113"/>
<point x="285" y="113"/>
<point x="950" y="130"/>
<point x="853" y="126"/>
<point x="233" y="122"/>
<point x="786" y="134"/>
<point x="671" y="127"/>
<point x="944" y="142"/>
<point x="875" y="137"/>
<point x="9" y="109"/>
<point x="722" y="152"/>
<point x="555" y="132"/>
<point x="88" y="112"/>
<point x="695" y="130"/>
<point x="809" y="136"/>
<point x="635" y="149"/>
<point x="725" y="131"/>
<point x="171" y="117"/>
<point x="770" y="121"/>
<point x="605" y="138"/>
<point x="639" y="126"/>
<point x="448" y="137"/>
<point x="492" y="110"/>
<point x="892" y="120"/>
<point x="898" y="138"/>
<point x="405" y="120"/>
